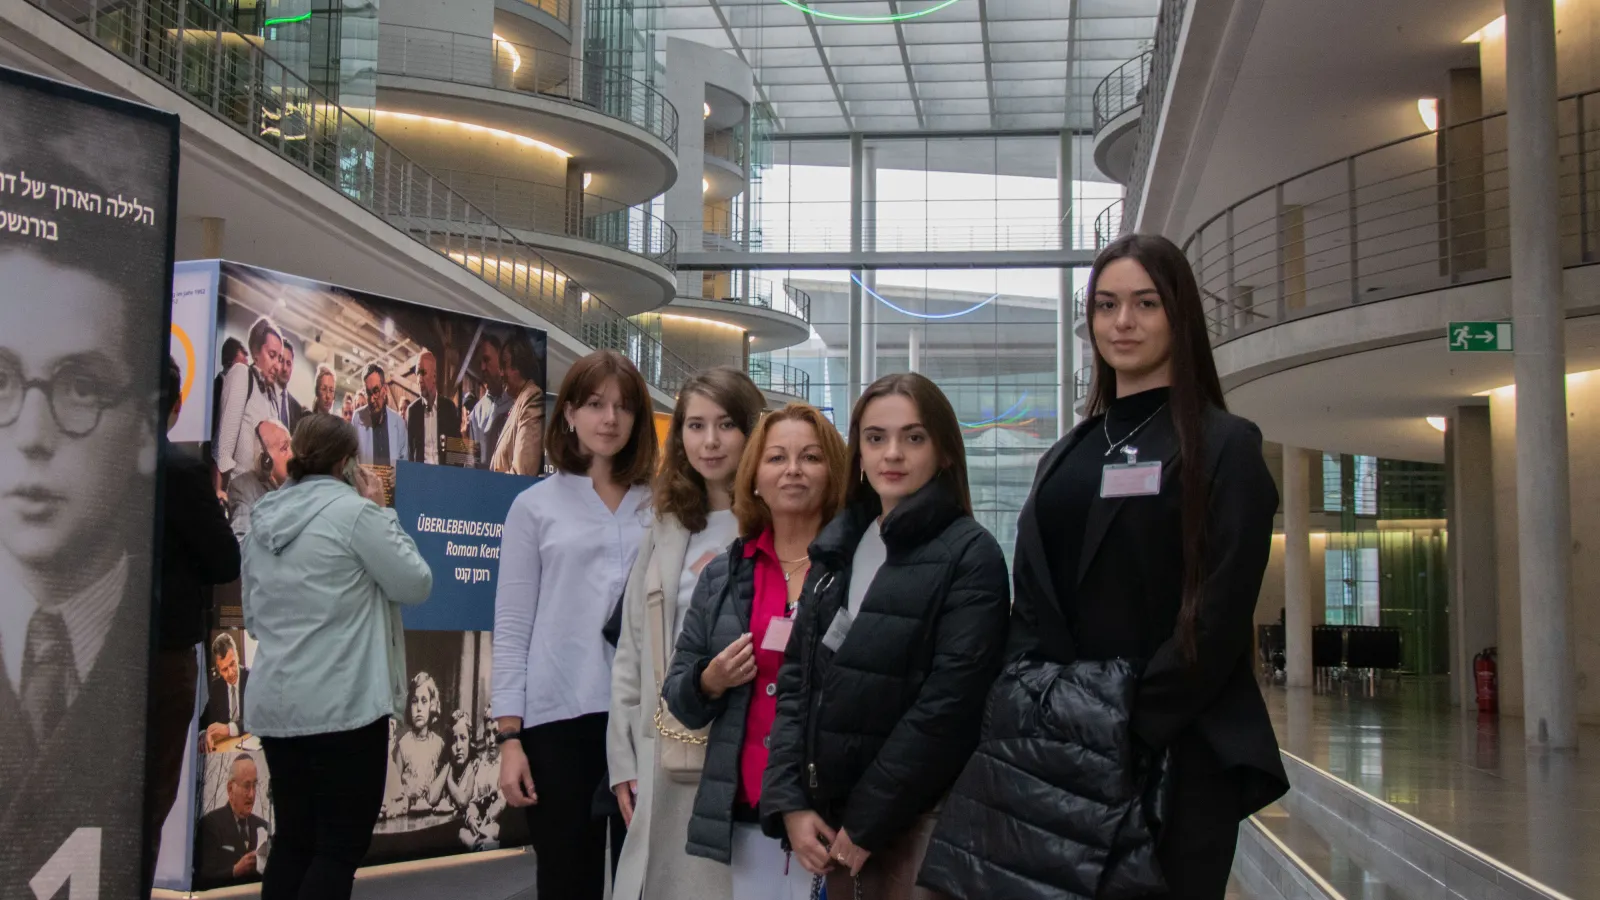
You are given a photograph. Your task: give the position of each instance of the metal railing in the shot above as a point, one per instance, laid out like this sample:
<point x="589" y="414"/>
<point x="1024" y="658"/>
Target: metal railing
<point x="1080" y="304"/>
<point x="1081" y="382"/>
<point x="914" y="235"/>
<point x="560" y="10"/>
<point x="1417" y="214"/>
<point x="186" y="46"/>
<point x="1163" y="52"/>
<point x="550" y="208"/>
<point x="728" y="144"/>
<point x="1122" y="90"/>
<point x="492" y="62"/>
<point x="1108" y="225"/>
<point x="791" y="301"/>
<point x="779" y="378"/>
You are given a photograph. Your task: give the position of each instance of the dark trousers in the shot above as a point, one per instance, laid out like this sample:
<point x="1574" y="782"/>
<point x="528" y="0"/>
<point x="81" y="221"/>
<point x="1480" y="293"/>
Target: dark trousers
<point x="172" y="683"/>
<point x="568" y="761"/>
<point x="1197" y="844"/>
<point x="326" y="793"/>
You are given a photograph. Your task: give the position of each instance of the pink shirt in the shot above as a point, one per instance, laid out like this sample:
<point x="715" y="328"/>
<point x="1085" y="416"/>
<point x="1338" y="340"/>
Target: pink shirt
<point x="772" y="600"/>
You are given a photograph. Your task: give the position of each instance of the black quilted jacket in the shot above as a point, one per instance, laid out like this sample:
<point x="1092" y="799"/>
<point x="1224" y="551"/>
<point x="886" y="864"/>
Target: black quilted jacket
<point x="1057" y="802"/>
<point x="872" y="736"/>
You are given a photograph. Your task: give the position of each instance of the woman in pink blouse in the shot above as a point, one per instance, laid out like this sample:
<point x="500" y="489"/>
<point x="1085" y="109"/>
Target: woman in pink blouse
<point x="725" y="671"/>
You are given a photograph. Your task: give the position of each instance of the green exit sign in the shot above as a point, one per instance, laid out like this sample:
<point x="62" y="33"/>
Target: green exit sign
<point x="1479" y="337"/>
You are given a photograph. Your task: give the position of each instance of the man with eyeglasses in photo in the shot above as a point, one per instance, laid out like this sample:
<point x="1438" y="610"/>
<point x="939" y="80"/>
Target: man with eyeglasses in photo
<point x="78" y="451"/>
<point x="380" y="431"/>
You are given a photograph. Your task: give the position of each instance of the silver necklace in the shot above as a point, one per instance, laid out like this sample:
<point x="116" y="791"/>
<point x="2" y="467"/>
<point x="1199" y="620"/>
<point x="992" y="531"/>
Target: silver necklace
<point x="1116" y="445"/>
<point x="798" y="565"/>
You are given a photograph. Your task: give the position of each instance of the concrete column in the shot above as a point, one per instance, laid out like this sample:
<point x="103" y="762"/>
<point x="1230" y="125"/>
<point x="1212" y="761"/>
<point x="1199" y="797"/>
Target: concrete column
<point x="857" y="296"/>
<point x="869" y="242"/>
<point x="1297" y="565"/>
<point x="1544" y="516"/>
<point x="914" y="350"/>
<point x="1474" y="599"/>
<point x="212" y="231"/>
<point x="1066" y="336"/>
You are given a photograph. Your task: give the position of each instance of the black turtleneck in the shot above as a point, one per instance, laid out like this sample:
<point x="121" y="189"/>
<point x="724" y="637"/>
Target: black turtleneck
<point x="1064" y="497"/>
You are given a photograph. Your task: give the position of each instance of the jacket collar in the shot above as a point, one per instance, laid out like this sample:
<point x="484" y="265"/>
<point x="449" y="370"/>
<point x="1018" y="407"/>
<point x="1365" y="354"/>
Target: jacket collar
<point x="918" y="519"/>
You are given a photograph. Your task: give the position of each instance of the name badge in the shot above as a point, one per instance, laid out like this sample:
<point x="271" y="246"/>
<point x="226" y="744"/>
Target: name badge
<point x="777" y="637"/>
<point x="835" y="635"/>
<point x="1131" y="480"/>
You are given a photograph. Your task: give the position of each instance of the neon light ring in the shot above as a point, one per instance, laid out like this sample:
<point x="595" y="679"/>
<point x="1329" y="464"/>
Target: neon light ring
<point x="803" y="6"/>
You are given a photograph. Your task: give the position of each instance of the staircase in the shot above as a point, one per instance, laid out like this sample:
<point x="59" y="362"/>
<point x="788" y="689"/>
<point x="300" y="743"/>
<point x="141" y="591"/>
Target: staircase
<point x="187" y="46"/>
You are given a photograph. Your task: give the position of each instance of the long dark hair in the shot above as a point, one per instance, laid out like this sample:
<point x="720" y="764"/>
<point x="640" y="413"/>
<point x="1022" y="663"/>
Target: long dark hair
<point x="1195" y="386"/>
<point x="678" y="488"/>
<point x="938" y="417"/>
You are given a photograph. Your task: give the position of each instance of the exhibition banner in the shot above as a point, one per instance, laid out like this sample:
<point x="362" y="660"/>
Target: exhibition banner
<point x="456" y="517"/>
<point x="88" y="190"/>
<point x="448" y="410"/>
<point x="194" y="328"/>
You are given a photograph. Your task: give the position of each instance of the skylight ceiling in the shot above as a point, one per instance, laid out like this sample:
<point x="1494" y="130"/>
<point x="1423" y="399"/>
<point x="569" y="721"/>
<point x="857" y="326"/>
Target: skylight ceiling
<point x="969" y="65"/>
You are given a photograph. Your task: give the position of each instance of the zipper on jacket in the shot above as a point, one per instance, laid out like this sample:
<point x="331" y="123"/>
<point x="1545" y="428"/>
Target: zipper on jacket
<point x="812" y="769"/>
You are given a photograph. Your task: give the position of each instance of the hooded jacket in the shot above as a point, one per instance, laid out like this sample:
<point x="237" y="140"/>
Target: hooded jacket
<point x="873" y="734"/>
<point x="325" y="574"/>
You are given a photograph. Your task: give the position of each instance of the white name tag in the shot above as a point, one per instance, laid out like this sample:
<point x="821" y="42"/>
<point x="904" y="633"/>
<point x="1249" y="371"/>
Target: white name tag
<point x="1136" y="480"/>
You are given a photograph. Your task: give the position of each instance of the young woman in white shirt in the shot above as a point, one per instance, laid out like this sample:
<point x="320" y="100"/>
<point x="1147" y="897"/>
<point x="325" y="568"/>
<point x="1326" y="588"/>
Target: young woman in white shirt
<point x="693" y="498"/>
<point x="568" y="546"/>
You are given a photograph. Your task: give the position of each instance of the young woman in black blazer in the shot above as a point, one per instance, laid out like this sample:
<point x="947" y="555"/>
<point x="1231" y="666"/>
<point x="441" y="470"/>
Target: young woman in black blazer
<point x="1145" y="538"/>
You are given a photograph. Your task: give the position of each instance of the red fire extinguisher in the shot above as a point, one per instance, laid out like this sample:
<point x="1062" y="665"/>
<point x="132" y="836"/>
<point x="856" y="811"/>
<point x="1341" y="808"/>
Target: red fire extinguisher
<point x="1483" y="671"/>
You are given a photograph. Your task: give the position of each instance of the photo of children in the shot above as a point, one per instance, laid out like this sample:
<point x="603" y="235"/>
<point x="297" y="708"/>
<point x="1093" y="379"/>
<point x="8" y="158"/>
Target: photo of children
<point x="444" y="767"/>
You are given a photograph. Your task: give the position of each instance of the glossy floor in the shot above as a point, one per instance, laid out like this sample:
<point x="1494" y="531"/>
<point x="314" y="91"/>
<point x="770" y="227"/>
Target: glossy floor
<point x="1470" y="777"/>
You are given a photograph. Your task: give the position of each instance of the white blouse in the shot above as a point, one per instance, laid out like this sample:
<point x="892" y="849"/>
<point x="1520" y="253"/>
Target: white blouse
<point x="564" y="561"/>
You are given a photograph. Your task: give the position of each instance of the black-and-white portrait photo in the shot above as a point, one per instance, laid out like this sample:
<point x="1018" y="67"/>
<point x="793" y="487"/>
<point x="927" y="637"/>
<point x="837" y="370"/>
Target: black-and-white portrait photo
<point x="85" y="269"/>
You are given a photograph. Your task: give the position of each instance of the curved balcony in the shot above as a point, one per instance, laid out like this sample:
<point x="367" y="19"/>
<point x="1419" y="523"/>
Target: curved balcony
<point x="631" y="265"/>
<point x="623" y="129"/>
<point x="554" y="16"/>
<point x="1080" y="312"/>
<point x="198" y="55"/>
<point x="1335" y="287"/>
<point x="1118" y="107"/>
<point x="1108" y="225"/>
<point x="781" y="382"/>
<point x="726" y="154"/>
<point x="774" y="319"/>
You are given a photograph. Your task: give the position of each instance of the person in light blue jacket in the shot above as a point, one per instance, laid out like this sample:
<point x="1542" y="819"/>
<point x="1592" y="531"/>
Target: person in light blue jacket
<point x="326" y="570"/>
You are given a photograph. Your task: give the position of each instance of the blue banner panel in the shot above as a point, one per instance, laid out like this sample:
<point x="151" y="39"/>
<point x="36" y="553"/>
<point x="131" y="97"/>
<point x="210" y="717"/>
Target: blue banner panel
<point x="455" y="516"/>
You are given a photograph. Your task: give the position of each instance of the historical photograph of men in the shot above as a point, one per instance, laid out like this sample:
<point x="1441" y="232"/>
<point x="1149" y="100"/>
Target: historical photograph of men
<point x="232" y="840"/>
<point x="83" y="320"/>
<point x="222" y="719"/>
<point x="430" y="417"/>
<point x="380" y="433"/>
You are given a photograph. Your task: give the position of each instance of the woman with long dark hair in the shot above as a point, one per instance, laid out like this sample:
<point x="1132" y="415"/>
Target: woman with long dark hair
<point x="653" y="765"/>
<point x="1139" y="560"/>
<point x="568" y="545"/>
<point x="900" y="633"/>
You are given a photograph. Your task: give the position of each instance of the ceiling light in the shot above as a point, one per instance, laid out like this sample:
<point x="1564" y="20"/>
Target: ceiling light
<point x="699" y="321"/>
<point x="516" y="58"/>
<point x="1490" y="31"/>
<point x="705" y="185"/>
<point x="587" y="178"/>
<point x="1511" y="389"/>
<point x="522" y="139"/>
<point x="708" y="112"/>
<point x="1439" y="423"/>
<point x="1428" y="109"/>
<point x="895" y="17"/>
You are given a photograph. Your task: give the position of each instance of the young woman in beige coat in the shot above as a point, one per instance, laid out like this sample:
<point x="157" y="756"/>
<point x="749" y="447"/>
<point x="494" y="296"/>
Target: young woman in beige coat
<point x="693" y="497"/>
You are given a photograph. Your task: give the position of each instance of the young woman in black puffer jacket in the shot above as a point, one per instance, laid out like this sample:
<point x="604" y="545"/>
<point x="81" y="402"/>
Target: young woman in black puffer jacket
<point x="900" y="633"/>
